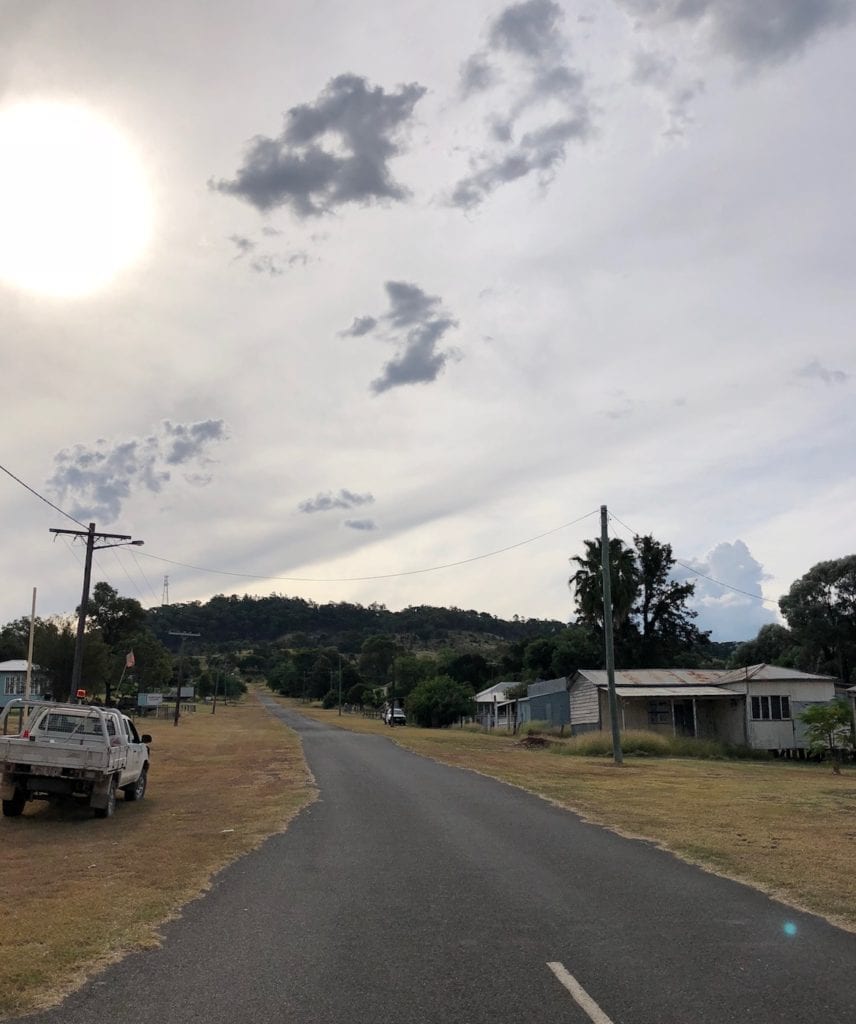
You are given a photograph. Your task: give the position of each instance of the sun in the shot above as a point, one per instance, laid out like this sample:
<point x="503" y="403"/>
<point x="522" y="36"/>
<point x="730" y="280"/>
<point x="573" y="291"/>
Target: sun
<point x="75" y="206"/>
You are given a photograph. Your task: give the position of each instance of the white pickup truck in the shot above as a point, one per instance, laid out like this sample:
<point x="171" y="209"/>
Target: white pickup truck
<point x="55" y="751"/>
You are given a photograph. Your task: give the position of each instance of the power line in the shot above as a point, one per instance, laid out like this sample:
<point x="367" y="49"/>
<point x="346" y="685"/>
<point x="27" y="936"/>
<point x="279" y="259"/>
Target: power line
<point x="379" y="576"/>
<point x="702" y="575"/>
<point x="41" y="497"/>
<point x="143" y="574"/>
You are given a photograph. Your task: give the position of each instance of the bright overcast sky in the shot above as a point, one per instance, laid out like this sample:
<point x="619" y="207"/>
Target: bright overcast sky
<point x="418" y="282"/>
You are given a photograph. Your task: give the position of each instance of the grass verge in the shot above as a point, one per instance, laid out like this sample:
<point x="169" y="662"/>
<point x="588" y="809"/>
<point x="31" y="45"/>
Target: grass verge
<point x="788" y="829"/>
<point x="81" y="892"/>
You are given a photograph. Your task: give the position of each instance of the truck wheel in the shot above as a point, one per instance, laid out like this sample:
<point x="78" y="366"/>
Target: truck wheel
<point x="14" y="807"/>
<point x="107" y="812"/>
<point x="136" y="790"/>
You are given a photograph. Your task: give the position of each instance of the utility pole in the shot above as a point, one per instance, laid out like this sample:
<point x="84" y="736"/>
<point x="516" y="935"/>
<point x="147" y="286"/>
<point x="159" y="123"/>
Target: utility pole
<point x="216" y="684"/>
<point x="607" y="635"/>
<point x="183" y="636"/>
<point x="165" y="595"/>
<point x="91" y="536"/>
<point x="28" y="682"/>
<point x="340" y="684"/>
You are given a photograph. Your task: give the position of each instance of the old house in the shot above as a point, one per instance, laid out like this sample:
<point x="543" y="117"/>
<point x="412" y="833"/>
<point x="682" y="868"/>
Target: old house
<point x="757" y="706"/>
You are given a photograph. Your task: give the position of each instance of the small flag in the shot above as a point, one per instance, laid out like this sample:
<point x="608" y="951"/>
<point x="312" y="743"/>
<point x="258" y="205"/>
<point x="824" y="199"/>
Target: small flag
<point x="129" y="660"/>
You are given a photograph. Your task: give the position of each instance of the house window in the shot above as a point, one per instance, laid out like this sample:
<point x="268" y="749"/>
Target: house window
<point x="659" y="712"/>
<point x="771" y="709"/>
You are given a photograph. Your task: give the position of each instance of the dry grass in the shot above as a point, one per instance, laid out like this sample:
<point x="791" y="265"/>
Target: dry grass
<point x="80" y="891"/>
<point x="786" y="828"/>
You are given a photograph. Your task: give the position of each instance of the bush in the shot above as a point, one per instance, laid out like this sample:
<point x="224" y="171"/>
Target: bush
<point x="330" y="699"/>
<point x="639" y="743"/>
<point x="440" y="701"/>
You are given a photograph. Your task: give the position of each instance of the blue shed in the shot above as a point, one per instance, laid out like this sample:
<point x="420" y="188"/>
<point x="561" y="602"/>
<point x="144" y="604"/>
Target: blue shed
<point x="549" y="702"/>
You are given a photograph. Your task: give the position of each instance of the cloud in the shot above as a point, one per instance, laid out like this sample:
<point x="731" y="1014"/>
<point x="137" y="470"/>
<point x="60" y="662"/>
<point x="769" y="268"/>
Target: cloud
<point x="361" y="524"/>
<point x="657" y="71"/>
<point x="751" y="32"/>
<point x="416" y="323"/>
<point x="540" y="151"/>
<point x="243" y="244"/>
<point x="361" y="325"/>
<point x="476" y="74"/>
<point x="326" y="501"/>
<point x="331" y="152"/>
<point x="530" y="29"/>
<point x="544" y="110"/>
<point x="729" y="615"/>
<point x="188" y="441"/>
<point x="96" y="479"/>
<point x="276" y="264"/>
<point x="815" y="370"/>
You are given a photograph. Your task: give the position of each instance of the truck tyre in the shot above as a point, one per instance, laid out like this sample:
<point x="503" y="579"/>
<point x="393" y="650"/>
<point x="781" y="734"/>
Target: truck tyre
<point x="107" y="812"/>
<point x="136" y="790"/>
<point x="14" y="807"/>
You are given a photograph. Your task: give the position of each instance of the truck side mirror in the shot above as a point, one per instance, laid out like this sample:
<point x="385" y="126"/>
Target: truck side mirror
<point x="145" y="738"/>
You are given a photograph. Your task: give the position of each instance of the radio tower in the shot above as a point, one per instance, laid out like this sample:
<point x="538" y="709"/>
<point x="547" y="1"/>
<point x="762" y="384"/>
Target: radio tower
<point x="165" y="598"/>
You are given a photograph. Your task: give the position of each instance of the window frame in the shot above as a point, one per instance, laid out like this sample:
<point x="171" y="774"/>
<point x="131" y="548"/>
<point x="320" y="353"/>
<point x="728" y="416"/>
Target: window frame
<point x="770" y="707"/>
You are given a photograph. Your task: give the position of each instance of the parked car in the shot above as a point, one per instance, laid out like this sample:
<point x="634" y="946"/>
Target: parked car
<point x="62" y="751"/>
<point x="394" y="716"/>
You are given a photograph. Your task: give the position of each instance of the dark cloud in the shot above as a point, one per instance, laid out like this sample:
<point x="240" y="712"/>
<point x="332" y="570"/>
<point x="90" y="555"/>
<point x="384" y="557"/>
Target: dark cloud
<point x="419" y="362"/>
<point x="416" y="323"/>
<point x="548" y="89"/>
<point x="540" y="151"/>
<point x="186" y="442"/>
<point x="361" y="325"/>
<point x="96" y="479"/>
<point x="729" y="615"/>
<point x="361" y="524"/>
<point x="326" y="501"/>
<point x="530" y="29"/>
<point x="477" y="74"/>
<point x="294" y="169"/>
<point x="815" y="370"/>
<point x="752" y="32"/>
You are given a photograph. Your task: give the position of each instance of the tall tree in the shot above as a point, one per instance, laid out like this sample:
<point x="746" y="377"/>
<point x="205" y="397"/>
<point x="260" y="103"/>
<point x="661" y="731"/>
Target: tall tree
<point x="665" y="623"/>
<point x="820" y="609"/>
<point x="587" y="582"/>
<point x="651" y="621"/>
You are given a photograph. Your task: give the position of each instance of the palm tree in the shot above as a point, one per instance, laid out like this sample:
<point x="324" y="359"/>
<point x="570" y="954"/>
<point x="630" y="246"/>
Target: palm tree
<point x="587" y="582"/>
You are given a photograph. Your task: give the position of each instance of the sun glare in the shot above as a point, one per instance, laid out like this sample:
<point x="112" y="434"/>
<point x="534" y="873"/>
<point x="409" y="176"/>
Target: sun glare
<point x="75" y="207"/>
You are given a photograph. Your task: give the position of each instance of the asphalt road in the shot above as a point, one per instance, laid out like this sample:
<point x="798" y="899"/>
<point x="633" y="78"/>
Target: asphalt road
<point x="415" y="893"/>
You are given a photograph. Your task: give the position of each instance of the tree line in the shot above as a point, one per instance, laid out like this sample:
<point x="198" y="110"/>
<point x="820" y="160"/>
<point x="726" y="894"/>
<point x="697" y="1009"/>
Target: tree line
<point x="303" y="649"/>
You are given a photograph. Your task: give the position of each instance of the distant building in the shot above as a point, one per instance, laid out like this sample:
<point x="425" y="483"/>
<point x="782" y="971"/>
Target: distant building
<point x="13" y="675"/>
<point x="758" y="706"/>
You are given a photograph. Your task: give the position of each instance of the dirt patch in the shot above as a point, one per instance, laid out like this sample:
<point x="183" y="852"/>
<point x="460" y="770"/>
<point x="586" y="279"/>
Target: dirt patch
<point x="81" y="892"/>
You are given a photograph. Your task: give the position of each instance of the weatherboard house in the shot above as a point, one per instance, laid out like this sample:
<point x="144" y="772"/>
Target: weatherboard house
<point x="757" y="706"/>
<point x="13" y="675"/>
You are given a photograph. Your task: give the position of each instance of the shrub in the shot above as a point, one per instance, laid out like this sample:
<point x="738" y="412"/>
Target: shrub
<point x="439" y="701"/>
<point x="330" y="699"/>
<point x="639" y="743"/>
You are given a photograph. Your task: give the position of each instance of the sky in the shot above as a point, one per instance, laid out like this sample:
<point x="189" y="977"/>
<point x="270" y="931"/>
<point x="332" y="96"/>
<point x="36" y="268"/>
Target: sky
<point x="313" y="296"/>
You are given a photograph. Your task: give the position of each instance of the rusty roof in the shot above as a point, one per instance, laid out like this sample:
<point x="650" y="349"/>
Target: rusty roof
<point x="657" y="676"/>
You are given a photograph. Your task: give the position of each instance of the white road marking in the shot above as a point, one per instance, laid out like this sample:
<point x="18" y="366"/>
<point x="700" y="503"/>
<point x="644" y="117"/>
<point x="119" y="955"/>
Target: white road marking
<point x="579" y="994"/>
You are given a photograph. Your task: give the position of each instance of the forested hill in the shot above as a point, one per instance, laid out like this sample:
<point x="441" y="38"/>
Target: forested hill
<point x="238" y="621"/>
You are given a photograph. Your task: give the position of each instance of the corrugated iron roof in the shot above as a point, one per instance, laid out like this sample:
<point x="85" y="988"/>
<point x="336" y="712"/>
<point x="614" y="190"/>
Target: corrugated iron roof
<point x="544" y="686"/>
<point x="771" y="674"/>
<point x="657" y="676"/>
<point x="681" y="692"/>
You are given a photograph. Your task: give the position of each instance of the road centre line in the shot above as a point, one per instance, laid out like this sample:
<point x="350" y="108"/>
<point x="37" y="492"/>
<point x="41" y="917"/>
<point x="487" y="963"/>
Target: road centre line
<point x="579" y="994"/>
